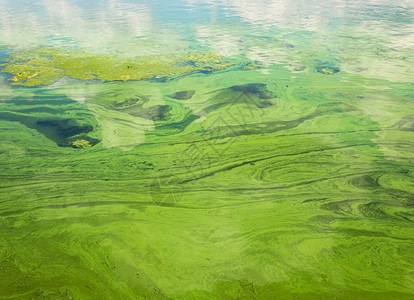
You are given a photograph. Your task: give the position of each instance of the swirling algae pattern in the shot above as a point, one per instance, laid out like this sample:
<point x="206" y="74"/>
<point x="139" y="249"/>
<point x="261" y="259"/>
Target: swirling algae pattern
<point x="227" y="185"/>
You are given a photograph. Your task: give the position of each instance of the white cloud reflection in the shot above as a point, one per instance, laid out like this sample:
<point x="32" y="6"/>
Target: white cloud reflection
<point x="57" y="22"/>
<point x="308" y="14"/>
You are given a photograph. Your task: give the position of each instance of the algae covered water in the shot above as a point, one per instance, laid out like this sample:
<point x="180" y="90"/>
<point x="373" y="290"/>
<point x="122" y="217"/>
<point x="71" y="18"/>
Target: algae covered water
<point x="206" y="149"/>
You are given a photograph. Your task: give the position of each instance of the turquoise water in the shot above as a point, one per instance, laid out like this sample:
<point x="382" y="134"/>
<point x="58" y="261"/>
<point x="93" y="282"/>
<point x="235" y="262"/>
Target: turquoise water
<point x="206" y="149"/>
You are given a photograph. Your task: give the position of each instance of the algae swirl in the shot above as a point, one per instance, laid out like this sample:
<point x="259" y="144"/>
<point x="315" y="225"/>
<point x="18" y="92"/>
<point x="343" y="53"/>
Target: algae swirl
<point x="304" y="196"/>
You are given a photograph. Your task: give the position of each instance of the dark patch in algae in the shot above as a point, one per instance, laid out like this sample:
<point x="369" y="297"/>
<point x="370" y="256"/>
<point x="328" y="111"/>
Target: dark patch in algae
<point x="65" y="128"/>
<point x="64" y="133"/>
<point x="327" y="68"/>
<point x="259" y="89"/>
<point x="127" y="103"/>
<point x="265" y="103"/>
<point x="155" y="113"/>
<point x="183" y="95"/>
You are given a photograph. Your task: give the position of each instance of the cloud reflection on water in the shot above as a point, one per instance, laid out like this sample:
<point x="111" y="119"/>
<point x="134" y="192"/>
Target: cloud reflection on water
<point x="64" y="22"/>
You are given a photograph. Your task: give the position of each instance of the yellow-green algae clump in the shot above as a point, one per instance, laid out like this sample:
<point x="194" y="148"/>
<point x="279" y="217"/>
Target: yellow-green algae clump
<point x="44" y="66"/>
<point x="81" y="143"/>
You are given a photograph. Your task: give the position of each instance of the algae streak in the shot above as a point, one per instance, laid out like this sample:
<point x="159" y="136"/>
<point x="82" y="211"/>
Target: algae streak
<point x="44" y="66"/>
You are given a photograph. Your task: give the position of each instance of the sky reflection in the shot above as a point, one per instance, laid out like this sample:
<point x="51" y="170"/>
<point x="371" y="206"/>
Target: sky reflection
<point x="112" y="23"/>
<point x="276" y="31"/>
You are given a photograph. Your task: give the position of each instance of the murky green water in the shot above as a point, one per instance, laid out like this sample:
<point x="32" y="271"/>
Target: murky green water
<point x="206" y="149"/>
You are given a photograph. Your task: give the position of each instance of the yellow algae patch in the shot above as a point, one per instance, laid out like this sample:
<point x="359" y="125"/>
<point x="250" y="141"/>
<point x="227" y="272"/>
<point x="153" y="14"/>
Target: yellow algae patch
<point x="31" y="76"/>
<point x="43" y="66"/>
<point x="83" y="144"/>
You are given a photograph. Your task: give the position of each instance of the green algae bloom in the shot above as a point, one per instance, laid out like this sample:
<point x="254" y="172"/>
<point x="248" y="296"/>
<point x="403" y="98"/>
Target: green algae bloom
<point x="44" y="66"/>
<point x="283" y="169"/>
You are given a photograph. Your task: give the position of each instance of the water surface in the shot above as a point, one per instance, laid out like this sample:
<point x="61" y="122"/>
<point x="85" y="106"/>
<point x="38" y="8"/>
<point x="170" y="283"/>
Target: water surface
<point x="286" y="174"/>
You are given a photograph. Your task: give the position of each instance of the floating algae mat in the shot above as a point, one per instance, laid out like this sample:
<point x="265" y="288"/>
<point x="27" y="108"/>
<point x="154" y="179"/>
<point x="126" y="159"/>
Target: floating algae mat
<point x="43" y="66"/>
<point x="206" y="149"/>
